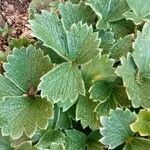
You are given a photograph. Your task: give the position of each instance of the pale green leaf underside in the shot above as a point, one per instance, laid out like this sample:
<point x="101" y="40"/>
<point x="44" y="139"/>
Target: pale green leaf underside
<point x="139" y="13"/>
<point x="137" y="143"/>
<point x="75" y="140"/>
<point x="50" y="137"/>
<point x="62" y="83"/>
<point x="142" y="125"/>
<point x="137" y="91"/>
<point x="85" y="112"/>
<point x="48" y="28"/>
<point x="141" y="53"/>
<point x="108" y="11"/>
<point x="8" y="88"/>
<point x="83" y="44"/>
<point x="74" y="13"/>
<point x="26" y="66"/>
<point x="24" y="114"/>
<point x="116" y="128"/>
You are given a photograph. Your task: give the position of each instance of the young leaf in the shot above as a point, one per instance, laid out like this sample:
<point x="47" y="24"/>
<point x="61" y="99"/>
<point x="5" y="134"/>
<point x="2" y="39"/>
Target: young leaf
<point x="108" y="11"/>
<point x="141" y="125"/>
<point x="139" y="14"/>
<point x="83" y="44"/>
<point x="62" y="83"/>
<point x="27" y="145"/>
<point x="77" y="12"/>
<point x="48" y="28"/>
<point x="116" y="128"/>
<point x="24" y="114"/>
<point x="75" y="140"/>
<point x="141" y="53"/>
<point x="50" y="137"/>
<point x="137" y="144"/>
<point x="137" y="91"/>
<point x="85" y="113"/>
<point x="26" y="66"/>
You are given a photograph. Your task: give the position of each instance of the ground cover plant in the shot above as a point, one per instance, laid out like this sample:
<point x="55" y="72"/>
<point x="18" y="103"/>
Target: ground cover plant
<point x="81" y="81"/>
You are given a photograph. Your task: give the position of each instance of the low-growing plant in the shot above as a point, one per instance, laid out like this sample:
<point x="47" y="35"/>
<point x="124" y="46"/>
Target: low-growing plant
<point x="84" y="84"/>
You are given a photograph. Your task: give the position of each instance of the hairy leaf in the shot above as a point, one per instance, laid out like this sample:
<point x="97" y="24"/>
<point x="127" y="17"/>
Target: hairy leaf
<point x="77" y="12"/>
<point x="26" y="66"/>
<point x="24" y="114"/>
<point x="63" y="82"/>
<point x="116" y="128"/>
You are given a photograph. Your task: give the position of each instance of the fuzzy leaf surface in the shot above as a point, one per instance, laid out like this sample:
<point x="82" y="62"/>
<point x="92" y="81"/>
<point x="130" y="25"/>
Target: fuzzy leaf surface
<point x="116" y="128"/>
<point x="26" y="66"/>
<point x="24" y="114"/>
<point x="77" y="12"/>
<point x="63" y="82"/>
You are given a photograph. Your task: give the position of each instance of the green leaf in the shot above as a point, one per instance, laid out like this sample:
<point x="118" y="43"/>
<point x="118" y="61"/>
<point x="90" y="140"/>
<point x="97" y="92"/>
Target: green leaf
<point x="137" y="143"/>
<point x="137" y="90"/>
<point x="63" y="82"/>
<point x="142" y="125"/>
<point x="85" y="113"/>
<point x="74" y="13"/>
<point x="27" y="145"/>
<point x="116" y="128"/>
<point x="5" y="143"/>
<point x="75" y="140"/>
<point x="51" y="137"/>
<point x="101" y="90"/>
<point x="48" y="28"/>
<point x="141" y="53"/>
<point x="139" y="14"/>
<point x="24" y="114"/>
<point x="26" y="66"/>
<point x="108" y="11"/>
<point x="122" y="46"/>
<point x="8" y="88"/>
<point x="55" y="146"/>
<point x="99" y="68"/>
<point x="83" y="44"/>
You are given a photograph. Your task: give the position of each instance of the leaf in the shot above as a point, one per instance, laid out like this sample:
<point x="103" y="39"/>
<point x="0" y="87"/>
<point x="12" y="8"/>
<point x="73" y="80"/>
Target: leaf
<point x="99" y="68"/>
<point x="5" y="143"/>
<point x="85" y="113"/>
<point x="48" y="28"/>
<point x="78" y="45"/>
<point x="51" y="137"/>
<point x="63" y="82"/>
<point x="57" y="147"/>
<point x="74" y="13"/>
<point x="24" y="114"/>
<point x="83" y="44"/>
<point x="116" y="128"/>
<point x="27" y="145"/>
<point x="108" y="11"/>
<point x="107" y="40"/>
<point x="139" y="14"/>
<point x="141" y="53"/>
<point x="75" y="140"/>
<point x="137" y="143"/>
<point x="26" y="66"/>
<point x="141" y="125"/>
<point x="8" y="88"/>
<point x="122" y="47"/>
<point x="137" y="91"/>
<point x="101" y="90"/>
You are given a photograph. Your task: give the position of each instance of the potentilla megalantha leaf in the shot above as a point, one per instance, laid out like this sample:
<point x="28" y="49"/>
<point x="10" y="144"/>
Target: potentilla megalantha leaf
<point x="116" y="128"/>
<point x="24" y="115"/>
<point x="62" y="83"/>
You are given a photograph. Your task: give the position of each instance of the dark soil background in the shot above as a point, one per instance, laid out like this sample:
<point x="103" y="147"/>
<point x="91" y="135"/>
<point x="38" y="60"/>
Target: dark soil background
<point x="15" y="14"/>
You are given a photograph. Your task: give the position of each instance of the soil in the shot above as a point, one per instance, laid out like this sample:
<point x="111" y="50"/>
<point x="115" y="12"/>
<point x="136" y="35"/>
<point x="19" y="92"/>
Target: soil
<point x="15" y="14"/>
